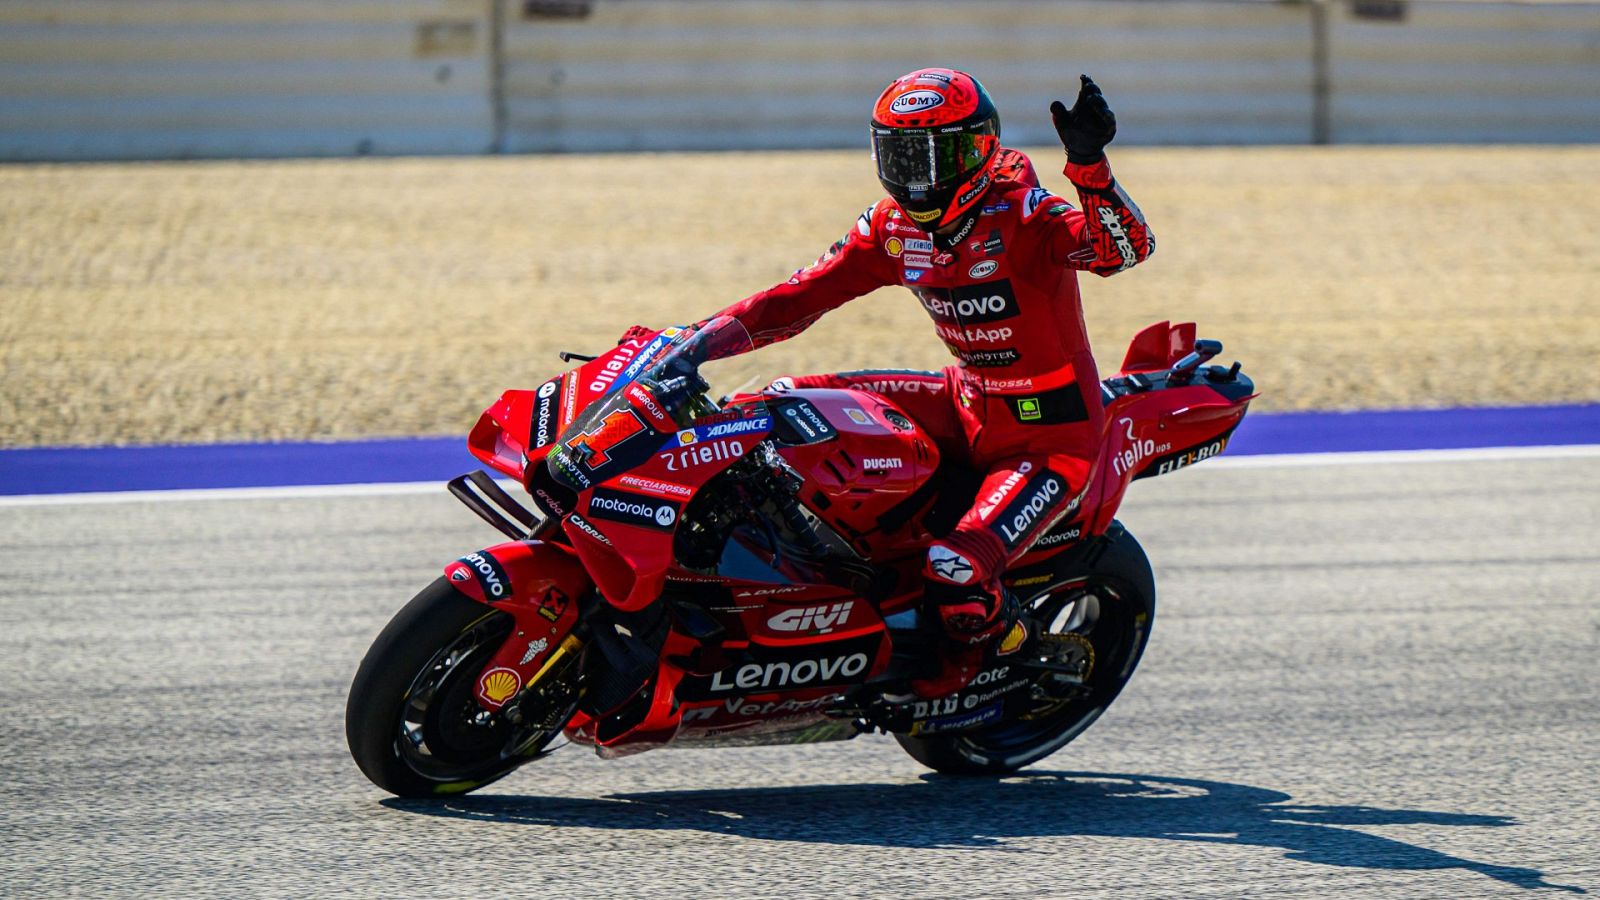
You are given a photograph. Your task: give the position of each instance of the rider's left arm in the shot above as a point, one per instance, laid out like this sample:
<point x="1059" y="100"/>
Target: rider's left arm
<point x="1109" y="235"/>
<point x="853" y="266"/>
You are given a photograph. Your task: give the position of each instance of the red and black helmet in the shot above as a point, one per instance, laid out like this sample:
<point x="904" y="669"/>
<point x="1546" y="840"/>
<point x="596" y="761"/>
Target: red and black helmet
<point x="934" y="136"/>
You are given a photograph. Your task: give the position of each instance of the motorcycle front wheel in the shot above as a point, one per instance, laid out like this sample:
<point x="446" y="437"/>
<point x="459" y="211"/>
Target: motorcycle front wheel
<point x="1102" y="616"/>
<point x="413" y="723"/>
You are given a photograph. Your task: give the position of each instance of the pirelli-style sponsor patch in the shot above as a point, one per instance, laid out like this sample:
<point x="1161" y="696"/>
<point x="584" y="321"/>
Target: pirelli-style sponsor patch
<point x="1061" y="406"/>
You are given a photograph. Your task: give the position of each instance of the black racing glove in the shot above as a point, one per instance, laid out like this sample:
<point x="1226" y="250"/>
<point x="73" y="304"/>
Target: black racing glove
<point x="1088" y="127"/>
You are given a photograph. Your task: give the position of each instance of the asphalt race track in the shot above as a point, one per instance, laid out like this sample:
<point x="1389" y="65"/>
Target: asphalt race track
<point x="1365" y="681"/>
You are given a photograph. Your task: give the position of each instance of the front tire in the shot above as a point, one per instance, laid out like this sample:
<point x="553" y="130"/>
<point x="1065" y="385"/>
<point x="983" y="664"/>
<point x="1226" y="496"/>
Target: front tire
<point x="1110" y="608"/>
<point x="413" y="723"/>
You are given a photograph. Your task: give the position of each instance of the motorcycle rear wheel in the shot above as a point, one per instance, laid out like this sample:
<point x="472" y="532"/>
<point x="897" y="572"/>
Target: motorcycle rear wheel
<point x="1112" y="606"/>
<point x="412" y="721"/>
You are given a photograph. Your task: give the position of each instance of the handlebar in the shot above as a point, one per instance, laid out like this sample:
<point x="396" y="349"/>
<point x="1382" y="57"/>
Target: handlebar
<point x="1183" y="370"/>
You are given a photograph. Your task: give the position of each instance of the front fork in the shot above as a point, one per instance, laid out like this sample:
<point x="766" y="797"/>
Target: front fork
<point x="540" y="584"/>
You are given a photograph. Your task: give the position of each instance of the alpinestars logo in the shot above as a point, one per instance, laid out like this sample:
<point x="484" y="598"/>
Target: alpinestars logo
<point x="1113" y="224"/>
<point x="949" y="565"/>
<point x="1032" y="202"/>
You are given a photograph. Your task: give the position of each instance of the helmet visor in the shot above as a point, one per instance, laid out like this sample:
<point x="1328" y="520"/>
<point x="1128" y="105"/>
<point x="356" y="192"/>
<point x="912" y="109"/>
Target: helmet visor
<point x="917" y="160"/>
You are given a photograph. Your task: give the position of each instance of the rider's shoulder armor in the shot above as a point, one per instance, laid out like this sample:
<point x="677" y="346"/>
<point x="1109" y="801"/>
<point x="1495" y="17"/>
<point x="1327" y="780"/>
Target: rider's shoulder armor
<point x="1031" y="203"/>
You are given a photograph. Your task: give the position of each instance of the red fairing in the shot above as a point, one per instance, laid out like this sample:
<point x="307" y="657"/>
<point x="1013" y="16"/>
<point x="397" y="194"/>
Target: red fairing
<point x="1158" y="346"/>
<point x="623" y="529"/>
<point x="799" y="644"/>
<point x="521" y="427"/>
<point x="539" y="584"/>
<point x="878" y="460"/>
<point x="501" y="436"/>
<point x="1160" y="431"/>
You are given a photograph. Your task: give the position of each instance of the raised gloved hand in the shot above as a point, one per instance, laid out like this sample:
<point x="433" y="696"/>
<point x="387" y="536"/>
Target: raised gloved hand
<point x="1088" y="127"/>
<point x="636" y="332"/>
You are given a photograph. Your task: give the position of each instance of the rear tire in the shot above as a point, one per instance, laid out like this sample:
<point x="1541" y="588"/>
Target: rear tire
<point x="1112" y="606"/>
<point x="412" y="721"/>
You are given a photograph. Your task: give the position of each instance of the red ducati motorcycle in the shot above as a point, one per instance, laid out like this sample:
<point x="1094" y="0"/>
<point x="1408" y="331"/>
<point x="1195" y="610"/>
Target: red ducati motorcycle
<point x="713" y="574"/>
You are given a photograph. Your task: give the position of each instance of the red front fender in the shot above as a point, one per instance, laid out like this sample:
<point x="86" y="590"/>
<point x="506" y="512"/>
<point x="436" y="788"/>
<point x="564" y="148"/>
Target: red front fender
<point x="539" y="584"/>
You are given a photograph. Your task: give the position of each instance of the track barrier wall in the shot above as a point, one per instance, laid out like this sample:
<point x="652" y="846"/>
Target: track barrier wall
<point x="108" y="79"/>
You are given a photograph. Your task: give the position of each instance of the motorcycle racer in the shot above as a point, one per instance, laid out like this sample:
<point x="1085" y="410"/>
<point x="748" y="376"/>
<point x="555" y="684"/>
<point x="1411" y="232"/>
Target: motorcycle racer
<point x="993" y="259"/>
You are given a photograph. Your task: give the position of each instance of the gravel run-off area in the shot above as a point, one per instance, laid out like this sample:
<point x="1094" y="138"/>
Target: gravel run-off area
<point x="311" y="299"/>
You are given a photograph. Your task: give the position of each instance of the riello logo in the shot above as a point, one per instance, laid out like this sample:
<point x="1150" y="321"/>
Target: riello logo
<point x="701" y="454"/>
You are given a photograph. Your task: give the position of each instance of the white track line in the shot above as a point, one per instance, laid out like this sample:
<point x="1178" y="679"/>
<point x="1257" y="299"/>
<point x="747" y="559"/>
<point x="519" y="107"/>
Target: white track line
<point x="1385" y="457"/>
<point x="243" y="493"/>
<point x="1264" y="461"/>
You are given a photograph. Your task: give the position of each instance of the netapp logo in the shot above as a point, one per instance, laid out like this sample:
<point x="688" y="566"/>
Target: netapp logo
<point x="633" y="509"/>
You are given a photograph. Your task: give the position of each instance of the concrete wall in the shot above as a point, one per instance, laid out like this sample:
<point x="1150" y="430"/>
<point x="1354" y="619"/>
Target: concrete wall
<point x="117" y="79"/>
<point x="704" y="73"/>
<point x="1464" y="72"/>
<point x="86" y="79"/>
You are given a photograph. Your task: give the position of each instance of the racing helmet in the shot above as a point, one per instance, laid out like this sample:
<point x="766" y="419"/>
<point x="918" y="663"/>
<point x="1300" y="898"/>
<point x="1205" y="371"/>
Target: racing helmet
<point x="934" y="137"/>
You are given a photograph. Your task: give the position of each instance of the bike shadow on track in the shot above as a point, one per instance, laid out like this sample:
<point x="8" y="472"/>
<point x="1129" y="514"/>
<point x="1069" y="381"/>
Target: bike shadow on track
<point x="944" y="812"/>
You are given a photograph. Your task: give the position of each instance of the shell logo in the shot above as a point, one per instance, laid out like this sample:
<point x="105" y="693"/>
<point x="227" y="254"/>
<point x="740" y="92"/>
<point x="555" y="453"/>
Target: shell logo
<point x="1013" y="639"/>
<point x="686" y="436"/>
<point x="499" y="685"/>
<point x="894" y="245"/>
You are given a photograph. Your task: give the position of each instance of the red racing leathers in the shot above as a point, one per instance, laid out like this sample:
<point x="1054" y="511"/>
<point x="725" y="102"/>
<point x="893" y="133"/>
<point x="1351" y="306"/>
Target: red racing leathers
<point x="1022" y="404"/>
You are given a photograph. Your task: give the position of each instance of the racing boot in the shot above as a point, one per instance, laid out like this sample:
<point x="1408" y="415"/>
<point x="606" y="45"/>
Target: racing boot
<point x="972" y="616"/>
